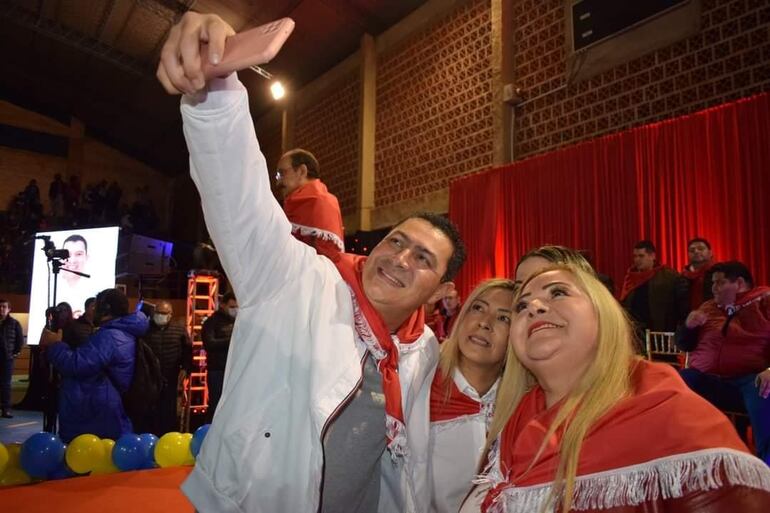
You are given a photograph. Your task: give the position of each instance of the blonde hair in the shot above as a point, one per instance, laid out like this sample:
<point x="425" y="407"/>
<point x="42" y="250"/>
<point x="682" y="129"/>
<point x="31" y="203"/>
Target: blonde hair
<point x="604" y="383"/>
<point x="450" y="348"/>
<point x="559" y="255"/>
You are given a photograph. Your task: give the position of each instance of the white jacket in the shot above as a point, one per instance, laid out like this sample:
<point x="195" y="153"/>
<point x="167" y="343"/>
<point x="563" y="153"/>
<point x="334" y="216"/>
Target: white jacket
<point x="456" y="448"/>
<point x="294" y="355"/>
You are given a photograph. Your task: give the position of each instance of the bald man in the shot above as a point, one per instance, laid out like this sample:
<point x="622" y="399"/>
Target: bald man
<point x="171" y="344"/>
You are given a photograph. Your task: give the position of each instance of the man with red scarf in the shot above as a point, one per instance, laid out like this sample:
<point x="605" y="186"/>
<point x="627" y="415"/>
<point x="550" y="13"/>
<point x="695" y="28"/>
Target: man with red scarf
<point x="698" y="271"/>
<point x="313" y="211"/>
<point x="729" y="342"/>
<point x="325" y="405"/>
<point x="654" y="295"/>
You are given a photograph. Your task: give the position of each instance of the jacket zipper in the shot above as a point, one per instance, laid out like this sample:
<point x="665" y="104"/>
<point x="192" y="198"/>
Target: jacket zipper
<point x="331" y="417"/>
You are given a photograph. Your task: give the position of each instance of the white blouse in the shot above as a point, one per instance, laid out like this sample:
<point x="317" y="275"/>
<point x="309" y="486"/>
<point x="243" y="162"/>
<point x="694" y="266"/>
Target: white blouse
<point x="455" y="448"/>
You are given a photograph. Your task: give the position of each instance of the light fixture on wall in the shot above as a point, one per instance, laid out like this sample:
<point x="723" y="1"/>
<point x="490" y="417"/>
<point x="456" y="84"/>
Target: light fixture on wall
<point x="276" y="88"/>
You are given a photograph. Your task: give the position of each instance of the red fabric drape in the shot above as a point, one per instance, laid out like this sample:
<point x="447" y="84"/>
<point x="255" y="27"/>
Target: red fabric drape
<point x="705" y="174"/>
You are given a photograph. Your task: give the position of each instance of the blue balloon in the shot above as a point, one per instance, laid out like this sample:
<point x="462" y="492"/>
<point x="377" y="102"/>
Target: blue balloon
<point x="148" y="450"/>
<point x="197" y="439"/>
<point x="128" y="453"/>
<point x="41" y="454"/>
<point x="62" y="472"/>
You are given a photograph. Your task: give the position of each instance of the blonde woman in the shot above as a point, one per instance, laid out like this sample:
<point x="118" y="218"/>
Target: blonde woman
<point x="463" y="391"/>
<point x="583" y="424"/>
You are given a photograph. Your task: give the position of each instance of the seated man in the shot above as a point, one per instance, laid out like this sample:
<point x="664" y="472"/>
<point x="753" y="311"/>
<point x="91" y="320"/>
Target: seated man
<point x="729" y="341"/>
<point x="325" y="405"/>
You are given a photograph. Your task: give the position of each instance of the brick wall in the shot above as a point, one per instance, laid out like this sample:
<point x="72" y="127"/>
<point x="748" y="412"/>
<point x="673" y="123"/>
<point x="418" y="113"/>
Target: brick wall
<point x="728" y="59"/>
<point x="434" y="106"/>
<point x="329" y="129"/>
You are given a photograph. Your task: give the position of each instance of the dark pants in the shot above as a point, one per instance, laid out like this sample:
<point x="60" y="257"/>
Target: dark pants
<point x="216" y="379"/>
<point x="6" y="371"/>
<point x="162" y="418"/>
<point x="737" y="395"/>
<point x="167" y="420"/>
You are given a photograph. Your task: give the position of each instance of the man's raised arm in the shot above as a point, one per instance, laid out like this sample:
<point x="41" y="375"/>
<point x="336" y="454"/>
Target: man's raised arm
<point x="248" y="227"/>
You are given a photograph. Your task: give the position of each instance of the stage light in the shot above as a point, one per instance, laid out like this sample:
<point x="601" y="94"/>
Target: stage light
<point x="277" y="90"/>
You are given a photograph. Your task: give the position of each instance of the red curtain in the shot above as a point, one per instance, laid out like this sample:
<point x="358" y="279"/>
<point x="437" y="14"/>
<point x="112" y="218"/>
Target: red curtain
<point x="706" y="174"/>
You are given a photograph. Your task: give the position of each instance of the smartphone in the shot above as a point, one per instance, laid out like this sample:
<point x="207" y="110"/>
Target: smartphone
<point x="249" y="48"/>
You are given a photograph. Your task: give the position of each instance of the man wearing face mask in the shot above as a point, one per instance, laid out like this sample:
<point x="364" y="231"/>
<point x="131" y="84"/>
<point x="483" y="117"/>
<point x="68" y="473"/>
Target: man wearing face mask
<point x="171" y="344"/>
<point x="95" y="374"/>
<point x="216" y="333"/>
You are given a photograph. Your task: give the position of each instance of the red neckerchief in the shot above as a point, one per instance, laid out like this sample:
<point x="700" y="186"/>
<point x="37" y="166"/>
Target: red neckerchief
<point x="315" y="215"/>
<point x="447" y="407"/>
<point x="696" y="279"/>
<point x="635" y="279"/>
<point x="620" y="438"/>
<point x="746" y="298"/>
<point x="383" y="346"/>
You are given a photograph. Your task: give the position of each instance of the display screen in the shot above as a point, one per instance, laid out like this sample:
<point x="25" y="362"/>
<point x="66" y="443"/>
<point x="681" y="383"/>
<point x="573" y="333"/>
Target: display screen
<point x="92" y="251"/>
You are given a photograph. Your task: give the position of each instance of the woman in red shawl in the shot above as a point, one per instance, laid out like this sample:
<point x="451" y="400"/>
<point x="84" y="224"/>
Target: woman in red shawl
<point x="583" y="424"/>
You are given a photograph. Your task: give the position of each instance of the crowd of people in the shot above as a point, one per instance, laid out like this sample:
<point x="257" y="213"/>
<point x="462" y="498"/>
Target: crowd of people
<point x="71" y="206"/>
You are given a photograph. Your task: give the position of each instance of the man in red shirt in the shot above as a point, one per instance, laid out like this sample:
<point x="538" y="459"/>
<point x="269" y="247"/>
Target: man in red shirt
<point x="729" y="342"/>
<point x="313" y="211"/>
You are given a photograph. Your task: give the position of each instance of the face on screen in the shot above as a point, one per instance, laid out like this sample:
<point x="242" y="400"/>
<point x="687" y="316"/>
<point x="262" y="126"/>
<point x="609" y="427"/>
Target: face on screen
<point x="78" y="255"/>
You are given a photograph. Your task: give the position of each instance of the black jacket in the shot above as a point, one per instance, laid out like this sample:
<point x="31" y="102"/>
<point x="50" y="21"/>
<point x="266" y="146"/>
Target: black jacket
<point x="11" y="338"/>
<point x="172" y="346"/>
<point x="77" y="332"/>
<point x="216" y="333"/>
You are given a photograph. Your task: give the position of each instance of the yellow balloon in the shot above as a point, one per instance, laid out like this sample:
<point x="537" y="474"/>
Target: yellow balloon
<point x="84" y="453"/>
<point x="105" y="465"/>
<point x="4" y="457"/>
<point x="171" y="450"/>
<point x="14" y="476"/>
<point x="14" y="456"/>
<point x="186" y="439"/>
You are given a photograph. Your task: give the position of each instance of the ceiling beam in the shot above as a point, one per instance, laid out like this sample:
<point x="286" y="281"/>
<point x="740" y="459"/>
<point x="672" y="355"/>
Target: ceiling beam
<point x="75" y="39"/>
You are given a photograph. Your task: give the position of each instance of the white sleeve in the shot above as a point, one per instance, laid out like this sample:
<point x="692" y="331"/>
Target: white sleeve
<point x="251" y="233"/>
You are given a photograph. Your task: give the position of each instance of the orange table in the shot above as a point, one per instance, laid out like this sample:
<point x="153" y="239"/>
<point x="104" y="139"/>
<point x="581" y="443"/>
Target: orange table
<point x="144" y="491"/>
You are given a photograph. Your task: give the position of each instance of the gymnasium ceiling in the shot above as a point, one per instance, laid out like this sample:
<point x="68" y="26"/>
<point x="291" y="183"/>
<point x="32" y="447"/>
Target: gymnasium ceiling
<point x="96" y="60"/>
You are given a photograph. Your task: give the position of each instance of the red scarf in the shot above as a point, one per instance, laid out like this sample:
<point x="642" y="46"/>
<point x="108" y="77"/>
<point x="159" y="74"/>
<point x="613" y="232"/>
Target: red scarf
<point x="635" y="279"/>
<point x="315" y="217"/>
<point x="455" y="405"/>
<point x="697" y="279"/>
<point x="633" y="432"/>
<point x="383" y="346"/>
<point x="746" y="298"/>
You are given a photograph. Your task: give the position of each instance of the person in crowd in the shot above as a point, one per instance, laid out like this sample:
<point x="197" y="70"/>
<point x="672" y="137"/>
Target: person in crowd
<point x="654" y="295"/>
<point x="441" y="315"/>
<point x="32" y="193"/>
<point x="59" y="319"/>
<point x="80" y="330"/>
<point x="463" y="391"/>
<point x="538" y="259"/>
<point x="313" y="211"/>
<point x="95" y="374"/>
<point x="729" y="342"/>
<point x="56" y="196"/>
<point x="173" y="347"/>
<point x="697" y="272"/>
<point x="573" y="388"/>
<point x="216" y="333"/>
<point x="326" y="395"/>
<point x="11" y="343"/>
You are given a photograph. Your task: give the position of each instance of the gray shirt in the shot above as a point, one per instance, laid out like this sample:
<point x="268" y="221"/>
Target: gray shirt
<point x="353" y="446"/>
